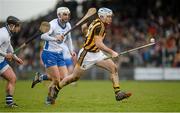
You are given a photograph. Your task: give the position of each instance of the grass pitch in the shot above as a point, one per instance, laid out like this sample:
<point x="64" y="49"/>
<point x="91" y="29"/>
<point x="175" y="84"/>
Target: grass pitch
<point x="97" y="96"/>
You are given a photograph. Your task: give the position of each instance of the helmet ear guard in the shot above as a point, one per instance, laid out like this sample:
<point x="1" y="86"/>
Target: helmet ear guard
<point x="104" y="12"/>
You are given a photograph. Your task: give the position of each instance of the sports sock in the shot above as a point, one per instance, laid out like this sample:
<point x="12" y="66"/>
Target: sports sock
<point x="9" y="99"/>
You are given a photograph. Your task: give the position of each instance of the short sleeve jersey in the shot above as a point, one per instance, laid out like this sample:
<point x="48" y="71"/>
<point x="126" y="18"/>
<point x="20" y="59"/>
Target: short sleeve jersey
<point x="96" y="28"/>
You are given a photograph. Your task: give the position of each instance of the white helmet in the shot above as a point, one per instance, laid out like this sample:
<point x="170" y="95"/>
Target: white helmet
<point x="62" y="10"/>
<point x="104" y="12"/>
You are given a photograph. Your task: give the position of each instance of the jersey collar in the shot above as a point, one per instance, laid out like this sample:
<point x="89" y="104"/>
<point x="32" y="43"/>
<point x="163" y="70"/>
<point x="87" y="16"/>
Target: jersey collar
<point x="60" y="24"/>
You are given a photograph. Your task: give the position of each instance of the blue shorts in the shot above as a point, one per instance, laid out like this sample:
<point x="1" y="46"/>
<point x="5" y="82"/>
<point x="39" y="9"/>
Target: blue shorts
<point x="3" y="66"/>
<point x="68" y="62"/>
<point x="52" y="59"/>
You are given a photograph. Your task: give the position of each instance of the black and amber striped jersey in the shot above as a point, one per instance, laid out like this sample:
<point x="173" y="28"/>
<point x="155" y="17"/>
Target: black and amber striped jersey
<point x="94" y="29"/>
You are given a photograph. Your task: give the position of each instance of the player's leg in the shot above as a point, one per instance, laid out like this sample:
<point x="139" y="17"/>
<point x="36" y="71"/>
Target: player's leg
<point x="63" y="71"/>
<point x="70" y="71"/>
<point x="54" y="73"/>
<point x="77" y="72"/>
<point x="72" y="77"/>
<point x="39" y="77"/>
<point x="112" y="68"/>
<point x="53" y="90"/>
<point x="9" y="75"/>
<point x="70" y="67"/>
<point x="67" y="80"/>
<point x="48" y="59"/>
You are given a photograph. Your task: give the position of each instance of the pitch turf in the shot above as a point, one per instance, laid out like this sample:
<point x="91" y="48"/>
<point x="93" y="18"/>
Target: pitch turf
<point x="97" y="96"/>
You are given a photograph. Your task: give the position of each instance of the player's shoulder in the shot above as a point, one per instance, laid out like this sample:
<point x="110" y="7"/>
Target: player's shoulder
<point x="54" y="21"/>
<point x="97" y="23"/>
<point x="68" y="24"/>
<point x="2" y="29"/>
<point x="3" y="32"/>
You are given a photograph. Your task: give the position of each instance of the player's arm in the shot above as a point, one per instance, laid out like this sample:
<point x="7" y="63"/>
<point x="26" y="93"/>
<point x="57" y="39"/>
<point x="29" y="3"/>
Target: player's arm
<point x="2" y="53"/>
<point x="47" y="36"/>
<point x="70" y="45"/>
<point x="11" y="56"/>
<point x="84" y="29"/>
<point x="99" y="42"/>
<point x="69" y="42"/>
<point x="8" y="56"/>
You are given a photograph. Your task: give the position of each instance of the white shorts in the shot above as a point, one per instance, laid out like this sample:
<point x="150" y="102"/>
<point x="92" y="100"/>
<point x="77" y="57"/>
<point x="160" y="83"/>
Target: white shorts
<point x="87" y="59"/>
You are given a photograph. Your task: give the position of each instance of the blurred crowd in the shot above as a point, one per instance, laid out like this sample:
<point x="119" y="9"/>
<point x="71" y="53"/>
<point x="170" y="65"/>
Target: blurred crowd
<point x="134" y="23"/>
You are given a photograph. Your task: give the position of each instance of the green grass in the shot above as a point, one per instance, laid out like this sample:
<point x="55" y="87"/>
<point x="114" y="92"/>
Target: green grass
<point x="97" y="96"/>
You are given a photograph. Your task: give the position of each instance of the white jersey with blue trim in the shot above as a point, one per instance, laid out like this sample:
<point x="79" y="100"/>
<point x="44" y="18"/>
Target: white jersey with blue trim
<point x="5" y="43"/>
<point x="56" y="29"/>
<point x="66" y="52"/>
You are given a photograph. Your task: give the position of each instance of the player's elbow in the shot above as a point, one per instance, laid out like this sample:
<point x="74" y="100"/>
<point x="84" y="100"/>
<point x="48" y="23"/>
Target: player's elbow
<point x="98" y="44"/>
<point x="43" y="36"/>
<point x="84" y="28"/>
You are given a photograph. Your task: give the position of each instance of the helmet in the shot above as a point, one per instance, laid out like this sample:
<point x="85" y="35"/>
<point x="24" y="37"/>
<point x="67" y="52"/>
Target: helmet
<point x="104" y="12"/>
<point x="13" y="20"/>
<point x="62" y="10"/>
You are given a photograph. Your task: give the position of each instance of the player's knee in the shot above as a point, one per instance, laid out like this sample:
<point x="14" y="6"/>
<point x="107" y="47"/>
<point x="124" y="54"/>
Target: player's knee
<point x="62" y="77"/>
<point x="56" y="78"/>
<point x="12" y="80"/>
<point x="56" y="81"/>
<point x="114" y="68"/>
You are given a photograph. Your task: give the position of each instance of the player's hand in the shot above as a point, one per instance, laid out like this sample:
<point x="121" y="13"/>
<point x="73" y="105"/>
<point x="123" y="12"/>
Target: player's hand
<point x="114" y="54"/>
<point x="73" y="53"/>
<point x="9" y="56"/>
<point x="19" y="61"/>
<point x="59" y="37"/>
<point x="115" y="57"/>
<point x="74" y="57"/>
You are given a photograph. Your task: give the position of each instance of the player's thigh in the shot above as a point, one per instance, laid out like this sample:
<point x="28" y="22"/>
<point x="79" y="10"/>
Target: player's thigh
<point x="53" y="72"/>
<point x="107" y="64"/>
<point x="77" y="72"/>
<point x="70" y="69"/>
<point x="9" y="74"/>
